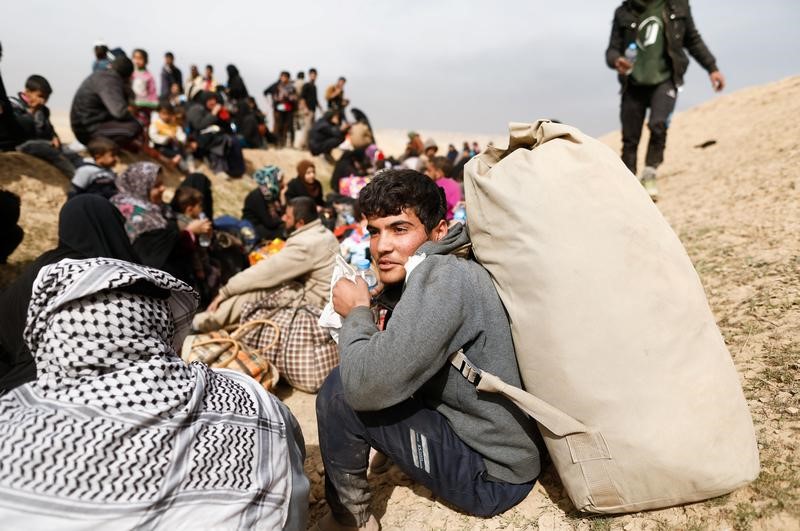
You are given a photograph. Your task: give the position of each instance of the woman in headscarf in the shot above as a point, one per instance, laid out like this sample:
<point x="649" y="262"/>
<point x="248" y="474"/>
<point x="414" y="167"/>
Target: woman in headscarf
<point x="236" y="87"/>
<point x="88" y="226"/>
<point x="263" y="207"/>
<point x="117" y="432"/>
<point x="305" y="184"/>
<point x="150" y="225"/>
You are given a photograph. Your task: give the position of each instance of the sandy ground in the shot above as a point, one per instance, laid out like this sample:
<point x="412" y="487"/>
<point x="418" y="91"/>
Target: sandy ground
<point x="735" y="206"/>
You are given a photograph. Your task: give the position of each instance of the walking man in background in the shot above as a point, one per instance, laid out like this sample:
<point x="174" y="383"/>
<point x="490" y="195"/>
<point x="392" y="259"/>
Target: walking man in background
<point x="646" y="48"/>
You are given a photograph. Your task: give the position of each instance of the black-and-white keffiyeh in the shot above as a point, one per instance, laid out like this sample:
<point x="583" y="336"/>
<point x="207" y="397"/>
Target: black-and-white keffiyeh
<point x="117" y="432"/>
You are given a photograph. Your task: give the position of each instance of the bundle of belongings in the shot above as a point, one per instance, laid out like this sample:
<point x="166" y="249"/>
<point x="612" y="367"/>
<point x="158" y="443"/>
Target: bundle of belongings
<point x="626" y="372"/>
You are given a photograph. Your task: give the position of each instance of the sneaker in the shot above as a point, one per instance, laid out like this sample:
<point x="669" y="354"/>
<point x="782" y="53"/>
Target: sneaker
<point x="378" y="462"/>
<point x="648" y="180"/>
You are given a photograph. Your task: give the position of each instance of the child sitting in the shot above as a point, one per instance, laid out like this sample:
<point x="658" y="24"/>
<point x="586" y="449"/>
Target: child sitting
<point x="33" y="116"/>
<point x="188" y="203"/>
<point x="96" y="175"/>
<point x="167" y="136"/>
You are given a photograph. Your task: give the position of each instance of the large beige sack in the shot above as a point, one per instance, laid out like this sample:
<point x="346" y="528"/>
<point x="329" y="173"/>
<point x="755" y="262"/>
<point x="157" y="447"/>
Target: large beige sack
<point x="610" y="324"/>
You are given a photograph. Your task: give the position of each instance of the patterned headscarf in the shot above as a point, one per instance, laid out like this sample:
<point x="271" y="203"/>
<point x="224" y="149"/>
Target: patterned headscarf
<point x="268" y="179"/>
<point x="141" y="440"/>
<point x="133" y="199"/>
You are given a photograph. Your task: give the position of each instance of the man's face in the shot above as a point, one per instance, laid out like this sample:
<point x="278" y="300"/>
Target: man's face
<point x="211" y="103"/>
<point x="35" y="99"/>
<point x="288" y="218"/>
<point x="340" y="83"/>
<point x="312" y="76"/>
<point x="394" y="239"/>
<point x="168" y="60"/>
<point x="284" y="78"/>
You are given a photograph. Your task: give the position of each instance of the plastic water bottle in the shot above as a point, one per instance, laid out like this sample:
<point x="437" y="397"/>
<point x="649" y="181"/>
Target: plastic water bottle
<point x="203" y="239"/>
<point x="630" y="54"/>
<point x="366" y="273"/>
<point x="460" y="214"/>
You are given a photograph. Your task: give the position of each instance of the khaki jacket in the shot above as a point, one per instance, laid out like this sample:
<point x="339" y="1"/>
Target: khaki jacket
<point x="307" y="257"/>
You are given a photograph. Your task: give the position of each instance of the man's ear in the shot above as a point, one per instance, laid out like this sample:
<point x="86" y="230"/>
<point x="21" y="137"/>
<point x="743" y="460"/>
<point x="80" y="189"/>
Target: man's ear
<point x="439" y="231"/>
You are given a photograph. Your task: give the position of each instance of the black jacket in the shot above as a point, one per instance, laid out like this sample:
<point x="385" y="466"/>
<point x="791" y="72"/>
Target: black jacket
<point x="679" y="32"/>
<point x="264" y="216"/>
<point x="324" y="136"/>
<point x="102" y="97"/>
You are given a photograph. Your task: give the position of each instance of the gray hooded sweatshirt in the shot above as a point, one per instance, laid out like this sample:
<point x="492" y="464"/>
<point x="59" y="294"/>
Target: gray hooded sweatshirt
<point x="447" y="303"/>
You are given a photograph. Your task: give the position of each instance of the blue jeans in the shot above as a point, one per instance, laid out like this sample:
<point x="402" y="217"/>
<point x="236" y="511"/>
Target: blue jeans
<point x="418" y="439"/>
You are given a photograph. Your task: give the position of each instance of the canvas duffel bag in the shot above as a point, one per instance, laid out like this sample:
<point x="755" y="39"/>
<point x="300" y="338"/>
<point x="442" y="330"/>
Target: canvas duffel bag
<point x="627" y="374"/>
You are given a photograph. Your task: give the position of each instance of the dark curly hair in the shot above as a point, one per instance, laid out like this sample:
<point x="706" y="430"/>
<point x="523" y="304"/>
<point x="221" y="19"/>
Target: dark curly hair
<point x="392" y="191"/>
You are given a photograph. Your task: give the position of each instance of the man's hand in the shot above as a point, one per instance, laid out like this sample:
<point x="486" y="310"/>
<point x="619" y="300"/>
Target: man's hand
<point x="623" y="66"/>
<point x="717" y="80"/>
<point x="56" y="142"/>
<point x="215" y="303"/>
<point x="347" y="295"/>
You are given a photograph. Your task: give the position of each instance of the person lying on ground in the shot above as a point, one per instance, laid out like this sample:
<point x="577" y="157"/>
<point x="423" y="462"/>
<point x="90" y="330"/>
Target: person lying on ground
<point x="88" y="227"/>
<point x="151" y="225"/>
<point x="308" y="257"/>
<point x="306" y="184"/>
<point x="395" y="389"/>
<point x="264" y="206"/>
<point x="100" y="106"/>
<point x="114" y="398"/>
<point x="96" y="174"/>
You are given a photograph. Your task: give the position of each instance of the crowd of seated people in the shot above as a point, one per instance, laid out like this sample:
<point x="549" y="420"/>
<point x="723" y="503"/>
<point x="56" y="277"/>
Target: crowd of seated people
<point x="95" y="324"/>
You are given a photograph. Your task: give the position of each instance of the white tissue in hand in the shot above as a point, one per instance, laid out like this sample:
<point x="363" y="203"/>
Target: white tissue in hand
<point x="329" y="318"/>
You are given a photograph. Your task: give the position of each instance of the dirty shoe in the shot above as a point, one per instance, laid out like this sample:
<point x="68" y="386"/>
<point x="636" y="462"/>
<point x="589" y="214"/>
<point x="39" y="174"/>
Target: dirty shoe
<point x="378" y="462"/>
<point x="648" y="180"/>
<point x="329" y="523"/>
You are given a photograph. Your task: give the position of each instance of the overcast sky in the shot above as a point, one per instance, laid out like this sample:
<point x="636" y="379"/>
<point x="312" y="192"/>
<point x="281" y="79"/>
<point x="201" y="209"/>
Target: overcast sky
<point x="446" y="65"/>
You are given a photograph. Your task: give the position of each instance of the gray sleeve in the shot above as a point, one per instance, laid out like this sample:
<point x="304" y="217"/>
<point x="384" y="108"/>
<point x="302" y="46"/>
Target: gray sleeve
<point x="113" y="97"/>
<point x="84" y="176"/>
<point x="381" y="369"/>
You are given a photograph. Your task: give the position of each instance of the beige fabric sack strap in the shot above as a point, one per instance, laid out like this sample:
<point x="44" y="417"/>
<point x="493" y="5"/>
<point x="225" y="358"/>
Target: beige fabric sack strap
<point x="588" y="448"/>
<point x="556" y="421"/>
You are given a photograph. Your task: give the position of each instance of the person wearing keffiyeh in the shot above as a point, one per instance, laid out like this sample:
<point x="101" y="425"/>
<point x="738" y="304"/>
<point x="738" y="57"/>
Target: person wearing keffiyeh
<point x="117" y="432"/>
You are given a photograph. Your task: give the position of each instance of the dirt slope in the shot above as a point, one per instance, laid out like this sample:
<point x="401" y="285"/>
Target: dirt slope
<point x="735" y="205"/>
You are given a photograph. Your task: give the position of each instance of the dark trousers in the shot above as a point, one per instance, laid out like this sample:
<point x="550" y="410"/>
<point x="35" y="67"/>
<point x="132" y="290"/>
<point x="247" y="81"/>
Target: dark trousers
<point x="120" y="131"/>
<point x="284" y="127"/>
<point x="418" y="439"/>
<point x="636" y="99"/>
